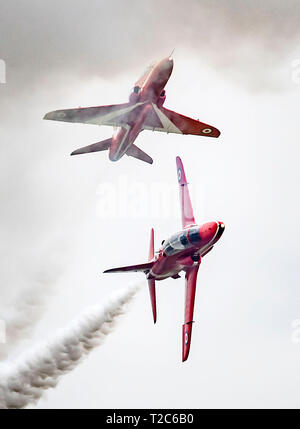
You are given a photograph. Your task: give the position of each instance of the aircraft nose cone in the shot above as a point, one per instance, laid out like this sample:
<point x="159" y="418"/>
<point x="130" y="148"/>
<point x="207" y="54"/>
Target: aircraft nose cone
<point x="212" y="227"/>
<point x="170" y="63"/>
<point x="167" y="64"/>
<point x="208" y="231"/>
<point x="221" y="229"/>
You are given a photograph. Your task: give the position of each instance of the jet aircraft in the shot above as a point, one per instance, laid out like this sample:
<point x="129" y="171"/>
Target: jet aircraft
<point x="144" y="111"/>
<point x="183" y="251"/>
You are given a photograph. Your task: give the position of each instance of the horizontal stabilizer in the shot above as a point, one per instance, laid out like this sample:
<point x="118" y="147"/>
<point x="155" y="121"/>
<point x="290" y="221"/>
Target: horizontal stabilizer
<point x="136" y="268"/>
<point x="136" y="152"/>
<point x="96" y="147"/>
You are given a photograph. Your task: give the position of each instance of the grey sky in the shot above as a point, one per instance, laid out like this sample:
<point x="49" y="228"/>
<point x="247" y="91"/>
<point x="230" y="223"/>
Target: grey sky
<point x="104" y="38"/>
<point x="232" y="68"/>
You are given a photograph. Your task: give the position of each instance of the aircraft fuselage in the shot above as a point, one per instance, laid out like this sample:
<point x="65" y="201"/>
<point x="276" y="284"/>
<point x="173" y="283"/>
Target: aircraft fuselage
<point x="150" y="91"/>
<point x="184" y="249"/>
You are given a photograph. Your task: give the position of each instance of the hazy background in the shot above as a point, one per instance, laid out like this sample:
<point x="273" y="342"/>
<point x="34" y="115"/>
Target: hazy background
<point x="233" y="68"/>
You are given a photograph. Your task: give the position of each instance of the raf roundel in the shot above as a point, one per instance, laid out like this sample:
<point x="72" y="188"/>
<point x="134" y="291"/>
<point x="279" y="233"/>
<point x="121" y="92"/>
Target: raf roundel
<point x="179" y="174"/>
<point x="207" y="130"/>
<point x="186" y="338"/>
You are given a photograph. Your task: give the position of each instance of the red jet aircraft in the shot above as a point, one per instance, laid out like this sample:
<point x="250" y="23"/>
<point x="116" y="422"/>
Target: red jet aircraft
<point x="144" y="111"/>
<point x="181" y="252"/>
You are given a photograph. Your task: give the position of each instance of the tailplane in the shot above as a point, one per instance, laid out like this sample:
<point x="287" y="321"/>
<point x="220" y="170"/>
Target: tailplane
<point x="144" y="268"/>
<point x="96" y="147"/>
<point x="137" y="153"/>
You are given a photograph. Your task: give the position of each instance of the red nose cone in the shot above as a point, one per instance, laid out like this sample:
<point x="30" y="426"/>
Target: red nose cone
<point x="208" y="231"/>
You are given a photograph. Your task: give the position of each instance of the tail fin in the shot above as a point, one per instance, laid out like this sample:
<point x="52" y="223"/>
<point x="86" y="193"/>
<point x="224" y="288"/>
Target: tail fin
<point x="96" y="147"/>
<point x="151" y="282"/>
<point x="187" y="215"/>
<point x="136" y="152"/>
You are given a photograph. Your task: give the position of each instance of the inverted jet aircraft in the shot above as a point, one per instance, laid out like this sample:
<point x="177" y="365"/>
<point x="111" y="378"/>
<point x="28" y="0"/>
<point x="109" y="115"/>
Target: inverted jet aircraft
<point x="144" y="111"/>
<point x="183" y="251"/>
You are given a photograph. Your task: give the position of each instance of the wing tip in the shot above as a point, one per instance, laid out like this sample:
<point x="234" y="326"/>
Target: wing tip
<point x="55" y="115"/>
<point x="215" y="133"/>
<point x="186" y="340"/>
<point x="110" y="270"/>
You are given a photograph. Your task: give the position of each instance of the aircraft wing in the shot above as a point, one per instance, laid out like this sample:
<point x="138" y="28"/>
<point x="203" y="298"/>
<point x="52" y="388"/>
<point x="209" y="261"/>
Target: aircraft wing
<point x="162" y="119"/>
<point x="190" y="291"/>
<point x="113" y="115"/>
<point x="168" y="121"/>
<point x="187" y="215"/>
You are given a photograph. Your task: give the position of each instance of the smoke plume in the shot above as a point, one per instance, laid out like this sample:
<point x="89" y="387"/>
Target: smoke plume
<point x="24" y="380"/>
<point x="22" y="313"/>
<point x="25" y="313"/>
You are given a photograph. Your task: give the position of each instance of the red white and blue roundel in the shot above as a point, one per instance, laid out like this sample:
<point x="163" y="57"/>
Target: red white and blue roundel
<point x="179" y="174"/>
<point x="207" y="130"/>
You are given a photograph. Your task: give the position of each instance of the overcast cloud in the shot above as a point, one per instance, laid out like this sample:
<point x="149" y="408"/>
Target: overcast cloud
<point x="232" y="69"/>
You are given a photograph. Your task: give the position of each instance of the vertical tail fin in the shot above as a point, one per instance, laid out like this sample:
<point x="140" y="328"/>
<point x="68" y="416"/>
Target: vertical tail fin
<point x="151" y="282"/>
<point x="187" y="214"/>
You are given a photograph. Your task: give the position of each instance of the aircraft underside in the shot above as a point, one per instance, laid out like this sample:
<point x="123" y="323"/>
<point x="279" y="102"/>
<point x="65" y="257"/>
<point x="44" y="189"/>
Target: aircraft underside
<point x="131" y="119"/>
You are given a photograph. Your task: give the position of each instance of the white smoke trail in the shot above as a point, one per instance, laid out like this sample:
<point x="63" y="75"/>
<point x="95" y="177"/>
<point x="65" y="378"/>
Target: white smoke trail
<point x="24" y="380"/>
<point x="24" y="312"/>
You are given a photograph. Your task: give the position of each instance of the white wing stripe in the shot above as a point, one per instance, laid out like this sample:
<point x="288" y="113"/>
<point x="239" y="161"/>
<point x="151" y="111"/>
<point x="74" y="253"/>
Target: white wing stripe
<point x="108" y="118"/>
<point x="168" y="125"/>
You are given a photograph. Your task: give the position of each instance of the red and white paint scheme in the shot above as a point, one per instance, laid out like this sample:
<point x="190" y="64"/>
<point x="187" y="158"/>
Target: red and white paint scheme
<point x="183" y="251"/>
<point x="144" y="111"/>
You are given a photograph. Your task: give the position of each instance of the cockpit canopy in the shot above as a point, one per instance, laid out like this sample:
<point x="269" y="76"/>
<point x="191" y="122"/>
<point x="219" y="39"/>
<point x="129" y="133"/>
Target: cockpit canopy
<point x="182" y="240"/>
<point x="162" y="98"/>
<point x="134" y="94"/>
